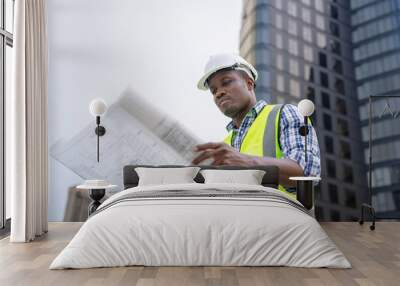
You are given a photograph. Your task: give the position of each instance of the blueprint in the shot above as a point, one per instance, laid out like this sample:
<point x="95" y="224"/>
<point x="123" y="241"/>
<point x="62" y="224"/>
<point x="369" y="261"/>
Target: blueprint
<point x="136" y="133"/>
<point x="164" y="127"/>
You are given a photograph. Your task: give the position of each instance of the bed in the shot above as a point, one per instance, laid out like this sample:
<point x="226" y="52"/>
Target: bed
<point x="201" y="224"/>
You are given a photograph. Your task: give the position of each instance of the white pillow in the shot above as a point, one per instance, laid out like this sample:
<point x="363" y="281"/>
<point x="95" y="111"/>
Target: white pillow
<point x="162" y="176"/>
<point x="248" y="177"/>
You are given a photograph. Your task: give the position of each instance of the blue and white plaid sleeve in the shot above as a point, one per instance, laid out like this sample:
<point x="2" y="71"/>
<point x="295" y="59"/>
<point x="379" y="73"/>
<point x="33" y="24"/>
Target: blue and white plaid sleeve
<point x="292" y="143"/>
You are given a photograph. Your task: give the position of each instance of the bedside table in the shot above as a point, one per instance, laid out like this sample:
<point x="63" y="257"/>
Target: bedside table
<point x="97" y="190"/>
<point x="305" y="190"/>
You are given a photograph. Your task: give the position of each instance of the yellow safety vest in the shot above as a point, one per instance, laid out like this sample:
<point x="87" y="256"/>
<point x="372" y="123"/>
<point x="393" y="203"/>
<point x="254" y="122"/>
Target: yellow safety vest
<point x="262" y="138"/>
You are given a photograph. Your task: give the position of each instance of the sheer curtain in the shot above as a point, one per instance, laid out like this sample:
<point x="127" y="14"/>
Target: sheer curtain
<point x="27" y="123"/>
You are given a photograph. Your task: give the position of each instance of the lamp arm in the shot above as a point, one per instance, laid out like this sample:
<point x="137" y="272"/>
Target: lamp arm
<point x="305" y="140"/>
<point x="98" y="138"/>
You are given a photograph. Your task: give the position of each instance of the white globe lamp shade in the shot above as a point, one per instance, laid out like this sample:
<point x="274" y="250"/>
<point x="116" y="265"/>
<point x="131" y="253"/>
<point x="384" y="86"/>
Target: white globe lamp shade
<point x="306" y="107"/>
<point x="97" y="107"/>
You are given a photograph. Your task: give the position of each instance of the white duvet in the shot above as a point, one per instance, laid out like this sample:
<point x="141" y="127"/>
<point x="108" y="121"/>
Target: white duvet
<point x="200" y="231"/>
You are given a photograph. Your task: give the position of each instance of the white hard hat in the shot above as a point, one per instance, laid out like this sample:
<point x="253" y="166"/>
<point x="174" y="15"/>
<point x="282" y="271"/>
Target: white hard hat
<point x="225" y="61"/>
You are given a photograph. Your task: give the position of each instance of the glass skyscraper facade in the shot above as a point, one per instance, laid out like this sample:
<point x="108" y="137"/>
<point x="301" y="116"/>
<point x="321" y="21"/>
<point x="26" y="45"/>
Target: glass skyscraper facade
<point x="303" y="49"/>
<point x="376" y="43"/>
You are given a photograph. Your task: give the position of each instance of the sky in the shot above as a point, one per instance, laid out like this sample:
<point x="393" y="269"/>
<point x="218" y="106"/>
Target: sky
<point x="158" y="48"/>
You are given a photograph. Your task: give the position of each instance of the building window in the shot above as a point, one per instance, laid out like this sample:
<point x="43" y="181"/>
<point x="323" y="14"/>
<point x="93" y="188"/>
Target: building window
<point x="310" y="72"/>
<point x="348" y="174"/>
<point x="292" y="27"/>
<point x="343" y="127"/>
<point x="280" y="83"/>
<point x="325" y="100"/>
<point x="333" y="193"/>
<point x="351" y="201"/>
<point x="308" y="53"/>
<point x="293" y="47"/>
<point x="345" y="150"/>
<point x="278" y="4"/>
<point x="279" y="62"/>
<point x="320" y="22"/>
<point x="294" y="88"/>
<point x="335" y="47"/>
<point x="331" y="168"/>
<point x="321" y="40"/>
<point x="395" y="196"/>
<point x="341" y="106"/>
<point x="310" y="94"/>
<point x="334" y="28"/>
<point x="339" y="86"/>
<point x="323" y="60"/>
<point x="395" y="174"/>
<point x="279" y="41"/>
<point x="307" y="35"/>
<point x="319" y="5"/>
<point x="327" y="122"/>
<point x="306" y="15"/>
<point x="292" y="8"/>
<point x="337" y="66"/>
<point x="334" y="12"/>
<point x="329" y="146"/>
<point x="278" y="21"/>
<point x="324" y="81"/>
<point x="294" y="67"/>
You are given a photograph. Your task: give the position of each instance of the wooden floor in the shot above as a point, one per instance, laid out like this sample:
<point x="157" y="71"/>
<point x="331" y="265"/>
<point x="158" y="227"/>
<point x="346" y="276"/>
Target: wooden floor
<point x="374" y="255"/>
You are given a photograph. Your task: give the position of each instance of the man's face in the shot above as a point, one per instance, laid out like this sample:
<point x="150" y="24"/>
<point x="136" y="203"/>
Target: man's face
<point x="231" y="91"/>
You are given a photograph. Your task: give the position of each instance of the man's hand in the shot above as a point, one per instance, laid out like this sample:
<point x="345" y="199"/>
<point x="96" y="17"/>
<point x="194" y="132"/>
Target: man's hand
<point x="222" y="154"/>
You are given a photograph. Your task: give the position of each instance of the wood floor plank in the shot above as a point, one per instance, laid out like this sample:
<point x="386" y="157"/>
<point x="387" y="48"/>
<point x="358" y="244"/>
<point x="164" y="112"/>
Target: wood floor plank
<point x="374" y="255"/>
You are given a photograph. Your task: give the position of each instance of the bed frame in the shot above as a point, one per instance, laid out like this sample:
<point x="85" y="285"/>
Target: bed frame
<point x="270" y="179"/>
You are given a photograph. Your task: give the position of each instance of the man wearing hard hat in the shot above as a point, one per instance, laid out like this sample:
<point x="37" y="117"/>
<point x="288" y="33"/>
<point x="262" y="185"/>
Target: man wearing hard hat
<point x="259" y="133"/>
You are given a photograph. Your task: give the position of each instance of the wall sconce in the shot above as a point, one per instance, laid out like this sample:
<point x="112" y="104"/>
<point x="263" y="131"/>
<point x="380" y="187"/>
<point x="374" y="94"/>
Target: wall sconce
<point x="97" y="108"/>
<point x="306" y="108"/>
<point x="304" y="185"/>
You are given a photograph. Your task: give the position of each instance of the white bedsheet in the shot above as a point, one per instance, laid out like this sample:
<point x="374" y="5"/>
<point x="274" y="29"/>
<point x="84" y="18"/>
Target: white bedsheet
<point x="200" y="231"/>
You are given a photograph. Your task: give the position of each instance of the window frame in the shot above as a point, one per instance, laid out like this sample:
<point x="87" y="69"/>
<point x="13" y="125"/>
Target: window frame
<point x="6" y="39"/>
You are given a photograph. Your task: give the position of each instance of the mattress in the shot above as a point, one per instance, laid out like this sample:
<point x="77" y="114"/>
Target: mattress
<point x="201" y="225"/>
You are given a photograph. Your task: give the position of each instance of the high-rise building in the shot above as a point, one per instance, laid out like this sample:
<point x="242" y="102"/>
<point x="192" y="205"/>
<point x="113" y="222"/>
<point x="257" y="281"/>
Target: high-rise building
<point x="376" y="43"/>
<point x="302" y="49"/>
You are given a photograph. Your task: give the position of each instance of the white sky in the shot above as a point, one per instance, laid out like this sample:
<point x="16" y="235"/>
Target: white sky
<point x="98" y="48"/>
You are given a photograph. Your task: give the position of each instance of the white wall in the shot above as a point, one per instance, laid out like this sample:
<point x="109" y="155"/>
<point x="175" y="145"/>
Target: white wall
<point x="99" y="48"/>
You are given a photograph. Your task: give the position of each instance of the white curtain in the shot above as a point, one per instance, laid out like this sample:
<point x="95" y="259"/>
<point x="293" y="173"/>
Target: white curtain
<point x="27" y="118"/>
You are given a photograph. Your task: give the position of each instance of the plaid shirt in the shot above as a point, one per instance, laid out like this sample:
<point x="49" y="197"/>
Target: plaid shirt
<point x="291" y="142"/>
